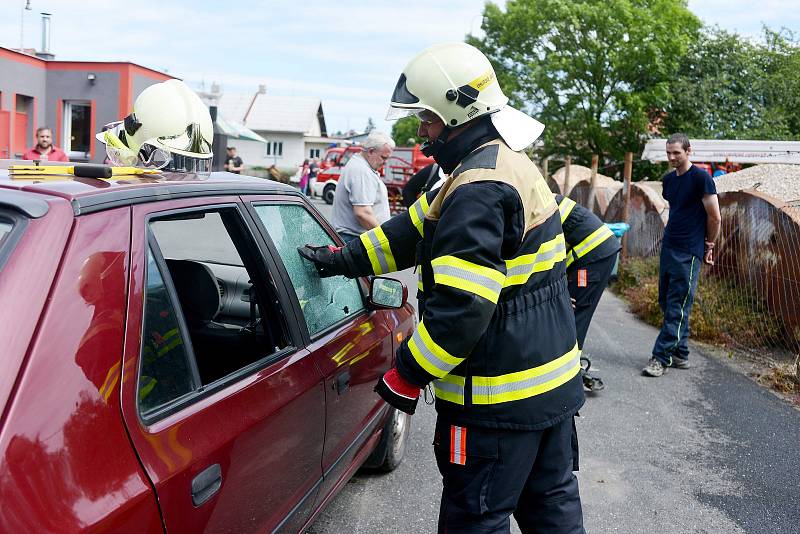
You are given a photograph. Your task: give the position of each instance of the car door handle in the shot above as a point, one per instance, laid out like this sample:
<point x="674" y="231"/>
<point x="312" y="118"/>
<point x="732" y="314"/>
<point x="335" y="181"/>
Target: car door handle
<point x="206" y="484"/>
<point x="342" y="382"/>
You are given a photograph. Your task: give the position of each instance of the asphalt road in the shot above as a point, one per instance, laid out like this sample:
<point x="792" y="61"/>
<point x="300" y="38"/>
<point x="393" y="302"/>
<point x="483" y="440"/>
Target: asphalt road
<point x="704" y="450"/>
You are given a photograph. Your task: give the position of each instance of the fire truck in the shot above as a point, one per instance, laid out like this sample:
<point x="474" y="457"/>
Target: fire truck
<point x="403" y="163"/>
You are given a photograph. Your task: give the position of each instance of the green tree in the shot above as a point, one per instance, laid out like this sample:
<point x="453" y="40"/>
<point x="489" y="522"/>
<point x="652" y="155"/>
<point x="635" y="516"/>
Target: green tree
<point x="734" y="88"/>
<point x="593" y="71"/>
<point x="405" y="130"/>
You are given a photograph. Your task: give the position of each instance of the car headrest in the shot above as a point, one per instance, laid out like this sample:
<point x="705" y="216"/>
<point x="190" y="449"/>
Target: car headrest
<point x="197" y="289"/>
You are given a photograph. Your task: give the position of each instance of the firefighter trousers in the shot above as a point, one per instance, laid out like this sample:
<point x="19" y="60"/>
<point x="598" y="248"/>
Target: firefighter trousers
<point x="490" y="474"/>
<point x="586" y="284"/>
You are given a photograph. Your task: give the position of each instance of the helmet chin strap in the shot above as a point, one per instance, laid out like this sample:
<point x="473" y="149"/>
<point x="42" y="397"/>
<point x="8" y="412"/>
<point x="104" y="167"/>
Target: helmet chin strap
<point x="431" y="148"/>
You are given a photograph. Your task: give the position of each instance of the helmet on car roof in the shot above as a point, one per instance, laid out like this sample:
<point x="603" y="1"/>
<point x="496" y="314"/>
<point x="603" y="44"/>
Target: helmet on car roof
<point x="169" y="128"/>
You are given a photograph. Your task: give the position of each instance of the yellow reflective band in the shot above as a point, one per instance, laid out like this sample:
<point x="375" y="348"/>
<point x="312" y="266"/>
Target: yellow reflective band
<point x="528" y="383"/>
<point x="429" y="355"/>
<point x="482" y="81"/>
<point x="144" y="390"/>
<point x="417" y="212"/>
<point x="592" y="241"/>
<point x="467" y="276"/>
<point x="565" y="207"/>
<point x="419" y="278"/>
<point x="379" y="251"/>
<point x="521" y="268"/>
<point x="450" y="388"/>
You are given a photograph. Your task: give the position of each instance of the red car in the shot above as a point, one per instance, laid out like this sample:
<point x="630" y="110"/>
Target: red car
<point x="169" y="362"/>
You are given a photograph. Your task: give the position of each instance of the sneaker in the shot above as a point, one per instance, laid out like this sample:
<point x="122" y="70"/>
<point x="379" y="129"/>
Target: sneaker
<point x="680" y="363"/>
<point x="654" y="368"/>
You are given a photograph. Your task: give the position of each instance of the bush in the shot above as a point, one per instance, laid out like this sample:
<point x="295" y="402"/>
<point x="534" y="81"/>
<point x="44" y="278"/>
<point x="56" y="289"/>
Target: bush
<point x="724" y="311"/>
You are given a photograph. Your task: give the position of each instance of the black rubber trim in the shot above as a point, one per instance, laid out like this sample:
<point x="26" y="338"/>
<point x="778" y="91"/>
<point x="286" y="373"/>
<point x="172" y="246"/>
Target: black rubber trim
<point x="25" y="203"/>
<point x="19" y="223"/>
<point x="174" y="190"/>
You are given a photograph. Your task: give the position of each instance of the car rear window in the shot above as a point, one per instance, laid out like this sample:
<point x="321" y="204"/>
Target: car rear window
<point x="5" y="229"/>
<point x="7" y="226"/>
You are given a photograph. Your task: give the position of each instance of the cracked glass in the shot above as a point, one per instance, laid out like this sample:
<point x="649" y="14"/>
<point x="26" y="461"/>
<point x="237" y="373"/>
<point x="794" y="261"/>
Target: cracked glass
<point x="324" y="301"/>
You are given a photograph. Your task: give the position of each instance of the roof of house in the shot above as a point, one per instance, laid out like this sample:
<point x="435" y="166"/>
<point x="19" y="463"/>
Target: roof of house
<point x="275" y="113"/>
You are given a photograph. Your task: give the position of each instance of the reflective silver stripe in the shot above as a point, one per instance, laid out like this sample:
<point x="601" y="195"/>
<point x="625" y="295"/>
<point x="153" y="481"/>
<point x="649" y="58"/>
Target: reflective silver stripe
<point x="499" y="389"/>
<point x="448" y="387"/>
<point x="448" y="270"/>
<point x="602" y="234"/>
<point x="376" y="246"/>
<point x="429" y="355"/>
<point x="565" y="207"/>
<point x="417" y="213"/>
<point x="542" y="257"/>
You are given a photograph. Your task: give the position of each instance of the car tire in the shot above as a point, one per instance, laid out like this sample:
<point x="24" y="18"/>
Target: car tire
<point x="327" y="193"/>
<point x="389" y="453"/>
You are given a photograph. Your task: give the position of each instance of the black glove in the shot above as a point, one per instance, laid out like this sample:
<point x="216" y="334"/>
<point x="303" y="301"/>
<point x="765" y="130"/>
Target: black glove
<point x="328" y="260"/>
<point x="397" y="391"/>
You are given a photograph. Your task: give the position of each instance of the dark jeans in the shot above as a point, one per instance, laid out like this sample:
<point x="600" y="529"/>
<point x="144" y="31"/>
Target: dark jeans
<point x="588" y="296"/>
<point x="347" y="237"/>
<point x="489" y="474"/>
<point x="678" y="272"/>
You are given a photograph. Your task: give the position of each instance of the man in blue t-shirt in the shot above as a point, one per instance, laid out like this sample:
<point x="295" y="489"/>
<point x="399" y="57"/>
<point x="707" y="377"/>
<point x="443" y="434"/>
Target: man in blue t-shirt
<point x="694" y="222"/>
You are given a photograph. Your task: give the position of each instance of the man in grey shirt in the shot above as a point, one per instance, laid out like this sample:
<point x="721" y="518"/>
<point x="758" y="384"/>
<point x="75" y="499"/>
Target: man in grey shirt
<point x="361" y="201"/>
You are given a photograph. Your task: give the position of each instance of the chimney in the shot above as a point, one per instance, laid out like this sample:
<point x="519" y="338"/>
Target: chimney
<point x="45" y="53"/>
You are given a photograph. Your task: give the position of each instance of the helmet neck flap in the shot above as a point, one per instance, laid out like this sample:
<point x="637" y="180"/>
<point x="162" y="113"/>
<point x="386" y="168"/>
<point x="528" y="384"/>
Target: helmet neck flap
<point x="451" y="152"/>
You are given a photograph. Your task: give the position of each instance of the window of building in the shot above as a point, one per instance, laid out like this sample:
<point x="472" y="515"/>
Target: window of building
<point x="313" y="153"/>
<point x="275" y="148"/>
<point x="324" y="301"/>
<point x="211" y="308"/>
<point x="77" y="129"/>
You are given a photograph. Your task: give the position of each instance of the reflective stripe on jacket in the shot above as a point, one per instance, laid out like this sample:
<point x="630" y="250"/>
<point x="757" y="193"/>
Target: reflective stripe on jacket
<point x="588" y="238"/>
<point x="497" y="333"/>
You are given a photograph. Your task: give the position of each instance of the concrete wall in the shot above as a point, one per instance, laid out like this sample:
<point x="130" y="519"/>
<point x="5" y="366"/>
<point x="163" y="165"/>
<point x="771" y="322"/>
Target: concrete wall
<point x="64" y="85"/>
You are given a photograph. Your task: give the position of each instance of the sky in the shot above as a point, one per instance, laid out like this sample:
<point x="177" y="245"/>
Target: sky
<point x="347" y="53"/>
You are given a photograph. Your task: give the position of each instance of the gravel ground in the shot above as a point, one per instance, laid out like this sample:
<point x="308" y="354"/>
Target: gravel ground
<point x="780" y="181"/>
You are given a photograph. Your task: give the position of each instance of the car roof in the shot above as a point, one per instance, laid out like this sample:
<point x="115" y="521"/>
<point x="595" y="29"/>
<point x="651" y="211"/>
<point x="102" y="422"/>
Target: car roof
<point x="88" y="195"/>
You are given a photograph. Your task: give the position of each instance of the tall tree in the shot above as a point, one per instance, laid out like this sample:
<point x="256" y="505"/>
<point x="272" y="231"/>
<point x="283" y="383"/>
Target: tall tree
<point x="370" y="125"/>
<point x="591" y="70"/>
<point x="404" y="131"/>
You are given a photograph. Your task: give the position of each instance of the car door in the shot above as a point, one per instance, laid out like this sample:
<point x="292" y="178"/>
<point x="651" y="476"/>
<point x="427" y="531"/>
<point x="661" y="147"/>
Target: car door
<point x="351" y="344"/>
<point x="225" y="411"/>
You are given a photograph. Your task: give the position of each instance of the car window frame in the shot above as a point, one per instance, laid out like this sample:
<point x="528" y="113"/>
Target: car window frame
<point x="201" y="391"/>
<point x="251" y="202"/>
<point x="19" y="223"/>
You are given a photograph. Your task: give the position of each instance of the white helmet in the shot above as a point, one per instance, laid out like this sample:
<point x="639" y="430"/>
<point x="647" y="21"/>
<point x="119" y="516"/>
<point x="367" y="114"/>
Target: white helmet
<point x="169" y="127"/>
<point x="458" y="83"/>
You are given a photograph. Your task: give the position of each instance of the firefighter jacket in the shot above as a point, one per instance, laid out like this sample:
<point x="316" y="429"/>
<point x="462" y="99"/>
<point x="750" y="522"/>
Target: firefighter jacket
<point x="497" y="332"/>
<point x="588" y="238"/>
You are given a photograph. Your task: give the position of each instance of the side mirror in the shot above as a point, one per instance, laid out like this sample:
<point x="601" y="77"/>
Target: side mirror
<point x="387" y="293"/>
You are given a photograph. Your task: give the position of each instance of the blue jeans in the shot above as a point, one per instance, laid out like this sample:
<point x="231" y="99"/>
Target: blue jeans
<point x="347" y="236"/>
<point x="677" y="282"/>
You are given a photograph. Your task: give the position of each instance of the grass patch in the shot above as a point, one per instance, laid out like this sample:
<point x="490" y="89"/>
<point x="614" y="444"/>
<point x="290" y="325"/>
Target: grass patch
<point x="724" y="312"/>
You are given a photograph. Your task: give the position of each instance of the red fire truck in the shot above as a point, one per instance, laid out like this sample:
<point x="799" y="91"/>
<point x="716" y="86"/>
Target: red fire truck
<point x="403" y="163"/>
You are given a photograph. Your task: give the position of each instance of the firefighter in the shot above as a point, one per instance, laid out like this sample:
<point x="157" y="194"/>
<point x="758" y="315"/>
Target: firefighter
<point x="497" y="334"/>
<point x="592" y="251"/>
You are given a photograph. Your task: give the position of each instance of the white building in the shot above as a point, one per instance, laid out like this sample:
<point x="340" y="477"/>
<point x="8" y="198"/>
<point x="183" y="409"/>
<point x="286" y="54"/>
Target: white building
<point x="294" y="128"/>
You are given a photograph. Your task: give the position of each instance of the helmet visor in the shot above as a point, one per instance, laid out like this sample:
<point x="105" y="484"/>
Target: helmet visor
<point x="398" y="113"/>
<point x="402" y="95"/>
